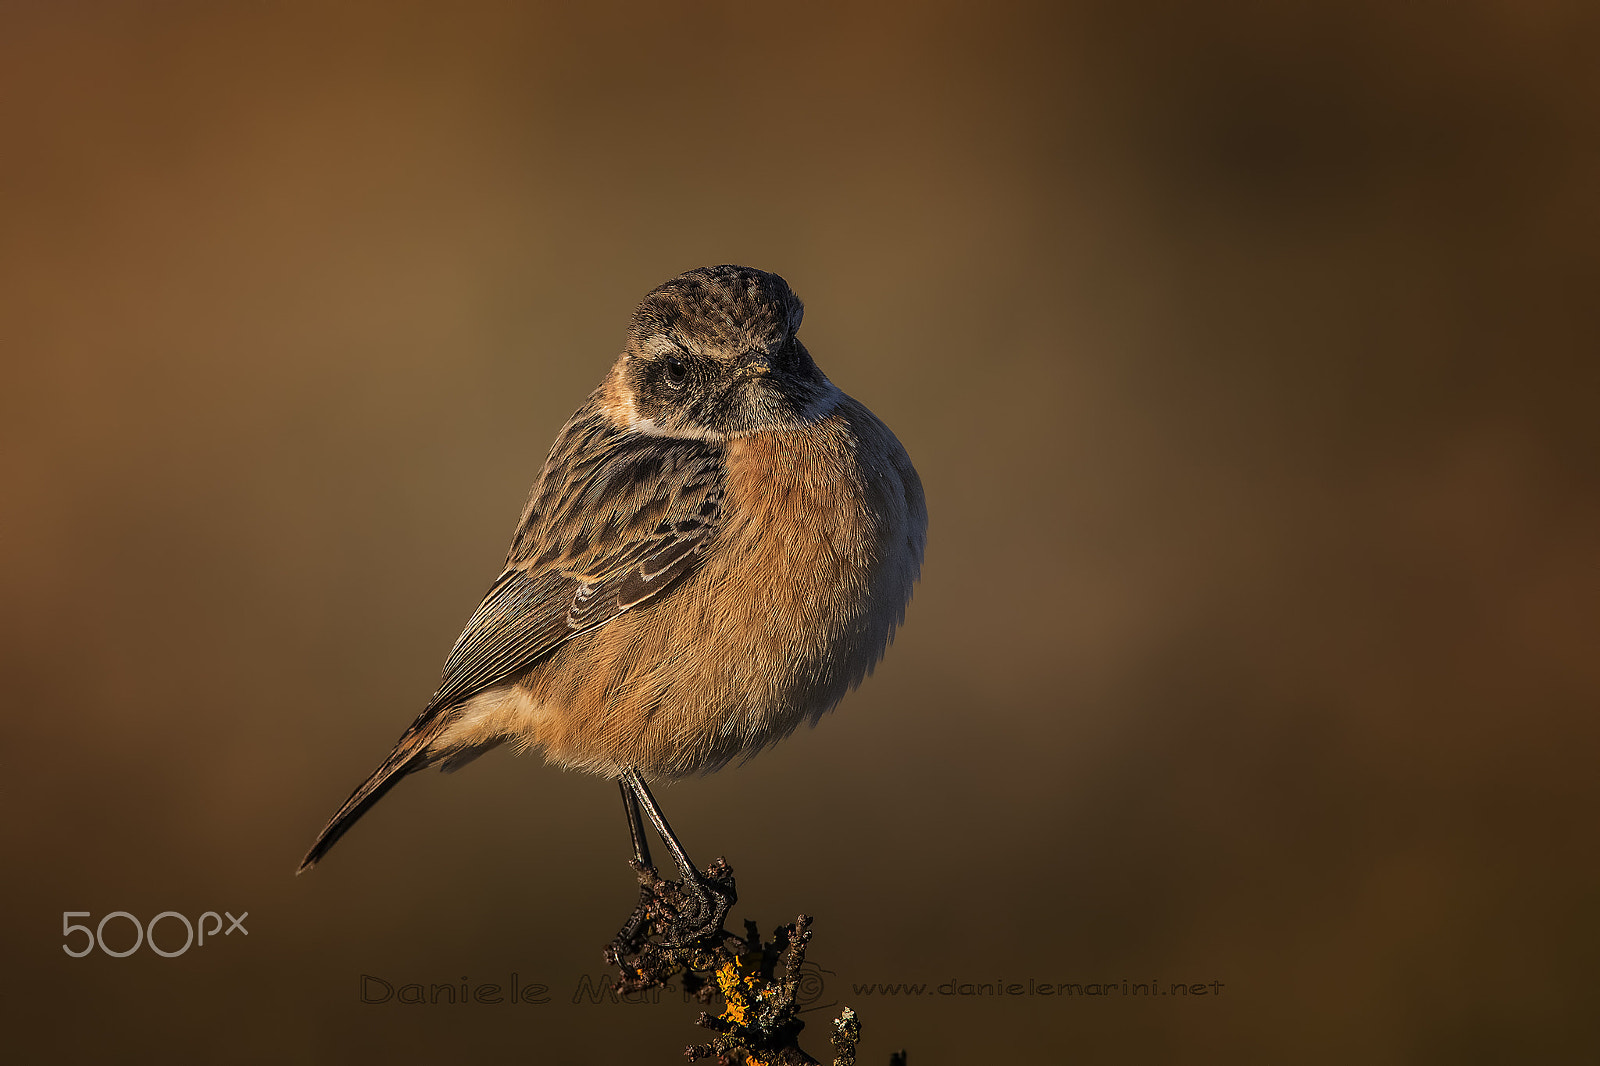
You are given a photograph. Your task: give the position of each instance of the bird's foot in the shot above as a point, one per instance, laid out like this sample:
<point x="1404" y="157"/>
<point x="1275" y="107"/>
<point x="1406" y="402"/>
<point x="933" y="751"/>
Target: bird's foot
<point x="710" y="895"/>
<point x="674" y="914"/>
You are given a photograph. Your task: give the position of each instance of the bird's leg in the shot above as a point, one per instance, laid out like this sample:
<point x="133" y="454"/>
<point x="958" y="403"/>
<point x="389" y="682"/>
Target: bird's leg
<point x="630" y="807"/>
<point x="634" y="929"/>
<point x="709" y="895"/>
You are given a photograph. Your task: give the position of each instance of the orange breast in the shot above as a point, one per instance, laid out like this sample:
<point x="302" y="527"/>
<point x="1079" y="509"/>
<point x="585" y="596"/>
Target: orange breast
<point x="793" y="604"/>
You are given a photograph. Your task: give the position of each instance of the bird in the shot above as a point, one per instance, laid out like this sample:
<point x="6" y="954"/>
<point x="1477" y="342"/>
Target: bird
<point x="719" y="547"/>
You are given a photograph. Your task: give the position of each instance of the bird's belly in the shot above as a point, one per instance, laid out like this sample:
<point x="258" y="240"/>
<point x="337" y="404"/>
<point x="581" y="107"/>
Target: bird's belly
<point x="793" y="606"/>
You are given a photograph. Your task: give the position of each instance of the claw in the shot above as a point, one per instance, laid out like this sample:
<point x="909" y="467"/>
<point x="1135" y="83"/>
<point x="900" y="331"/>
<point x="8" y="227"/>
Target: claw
<point x="713" y="896"/>
<point x="676" y="914"/>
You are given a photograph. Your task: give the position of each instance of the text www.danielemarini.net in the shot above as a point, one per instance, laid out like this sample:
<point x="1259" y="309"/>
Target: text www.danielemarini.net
<point x="1033" y="987"/>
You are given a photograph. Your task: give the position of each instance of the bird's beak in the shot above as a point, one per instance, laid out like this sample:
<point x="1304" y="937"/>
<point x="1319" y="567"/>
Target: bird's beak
<point x="757" y="365"/>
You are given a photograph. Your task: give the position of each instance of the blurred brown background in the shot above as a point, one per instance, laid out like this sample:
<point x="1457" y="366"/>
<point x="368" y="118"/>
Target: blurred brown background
<point x="1248" y="354"/>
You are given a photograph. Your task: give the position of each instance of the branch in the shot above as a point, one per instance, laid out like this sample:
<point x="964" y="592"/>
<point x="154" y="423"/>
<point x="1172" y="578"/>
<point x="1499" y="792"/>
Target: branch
<point x="756" y="980"/>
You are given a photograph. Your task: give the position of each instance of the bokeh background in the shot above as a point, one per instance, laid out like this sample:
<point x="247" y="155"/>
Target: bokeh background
<point x="1248" y="355"/>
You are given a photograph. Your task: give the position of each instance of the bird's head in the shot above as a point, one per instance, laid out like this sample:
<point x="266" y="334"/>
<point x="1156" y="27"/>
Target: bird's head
<point x="713" y="354"/>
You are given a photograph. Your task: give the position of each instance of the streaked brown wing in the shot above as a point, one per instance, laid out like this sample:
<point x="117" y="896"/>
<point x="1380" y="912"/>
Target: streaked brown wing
<point x="615" y="519"/>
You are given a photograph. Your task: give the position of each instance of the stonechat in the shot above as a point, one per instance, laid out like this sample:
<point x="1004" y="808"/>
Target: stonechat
<point x="719" y="547"/>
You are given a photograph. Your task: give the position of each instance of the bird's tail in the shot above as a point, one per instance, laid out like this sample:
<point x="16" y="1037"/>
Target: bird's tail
<point x="408" y="756"/>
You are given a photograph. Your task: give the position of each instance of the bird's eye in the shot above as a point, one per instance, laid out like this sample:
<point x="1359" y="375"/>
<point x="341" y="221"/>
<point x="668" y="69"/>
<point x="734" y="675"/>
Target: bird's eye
<point x="676" y="372"/>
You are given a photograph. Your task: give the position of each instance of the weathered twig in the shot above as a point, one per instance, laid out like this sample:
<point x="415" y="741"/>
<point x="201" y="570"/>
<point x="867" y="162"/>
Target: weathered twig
<point x="759" y="1023"/>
